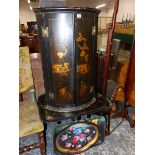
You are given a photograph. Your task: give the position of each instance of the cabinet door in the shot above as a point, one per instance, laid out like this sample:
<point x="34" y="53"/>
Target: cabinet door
<point x="62" y="58"/>
<point x="84" y="47"/>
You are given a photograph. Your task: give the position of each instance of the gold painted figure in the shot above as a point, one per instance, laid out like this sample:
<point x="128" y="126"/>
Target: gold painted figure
<point x="81" y="38"/>
<point x="64" y="94"/>
<point x="83" y="46"/>
<point x="82" y="68"/>
<point x="83" y="88"/>
<point x="62" y="54"/>
<point x="83" y="51"/>
<point x="61" y="68"/>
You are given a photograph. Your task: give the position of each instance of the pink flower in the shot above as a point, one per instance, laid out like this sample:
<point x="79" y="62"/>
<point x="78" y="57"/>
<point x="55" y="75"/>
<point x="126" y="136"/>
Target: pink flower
<point x="82" y="135"/>
<point x="68" y="145"/>
<point x="64" y="137"/>
<point x="78" y="146"/>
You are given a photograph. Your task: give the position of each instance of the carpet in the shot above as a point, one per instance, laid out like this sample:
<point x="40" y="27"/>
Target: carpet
<point x="120" y="142"/>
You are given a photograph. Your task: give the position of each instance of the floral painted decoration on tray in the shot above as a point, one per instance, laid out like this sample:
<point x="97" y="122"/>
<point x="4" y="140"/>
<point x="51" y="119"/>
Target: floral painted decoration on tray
<point x="77" y="138"/>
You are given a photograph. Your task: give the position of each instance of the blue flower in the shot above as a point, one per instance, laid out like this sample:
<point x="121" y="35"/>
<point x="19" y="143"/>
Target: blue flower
<point x="77" y="131"/>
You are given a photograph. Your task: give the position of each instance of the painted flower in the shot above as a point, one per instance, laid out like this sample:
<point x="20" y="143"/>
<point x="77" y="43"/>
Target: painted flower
<point x="82" y="139"/>
<point x="71" y="129"/>
<point x="75" y="139"/>
<point x="89" y="138"/>
<point x="82" y="135"/>
<point x="78" y="146"/>
<point x="64" y="137"/>
<point x="68" y="145"/>
<point x="86" y="130"/>
<point x="77" y="131"/>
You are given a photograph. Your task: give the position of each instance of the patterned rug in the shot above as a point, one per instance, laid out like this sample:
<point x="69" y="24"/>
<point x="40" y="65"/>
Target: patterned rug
<point x="120" y="142"/>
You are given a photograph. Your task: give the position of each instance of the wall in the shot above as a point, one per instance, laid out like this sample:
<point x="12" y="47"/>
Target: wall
<point x="25" y="14"/>
<point x="125" y="7"/>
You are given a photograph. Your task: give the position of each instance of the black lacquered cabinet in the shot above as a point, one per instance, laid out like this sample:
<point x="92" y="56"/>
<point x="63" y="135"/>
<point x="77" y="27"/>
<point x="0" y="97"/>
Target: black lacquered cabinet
<point x="68" y="38"/>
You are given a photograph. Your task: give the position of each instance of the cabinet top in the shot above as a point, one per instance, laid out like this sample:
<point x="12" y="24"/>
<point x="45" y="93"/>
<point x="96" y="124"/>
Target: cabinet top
<point x="66" y="9"/>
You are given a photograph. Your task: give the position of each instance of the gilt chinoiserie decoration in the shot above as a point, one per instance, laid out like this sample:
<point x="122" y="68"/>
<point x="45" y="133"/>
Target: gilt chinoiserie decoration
<point x="68" y="38"/>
